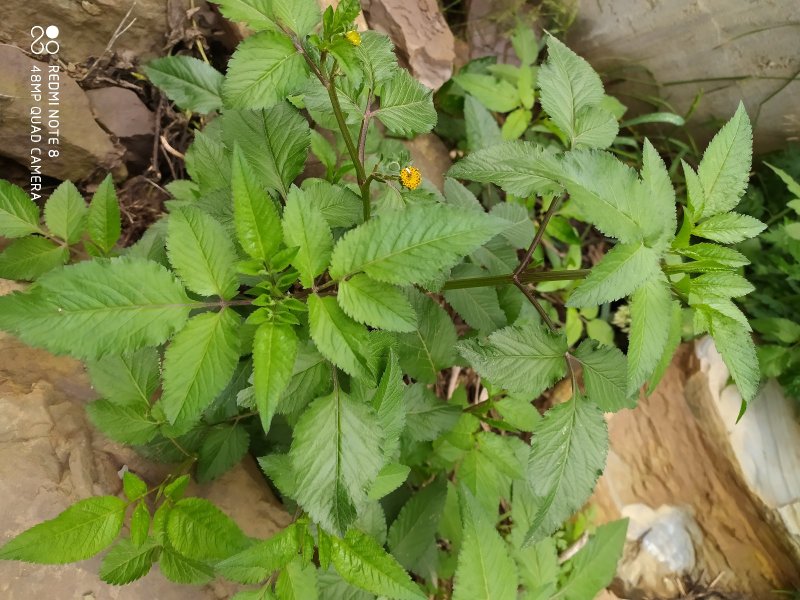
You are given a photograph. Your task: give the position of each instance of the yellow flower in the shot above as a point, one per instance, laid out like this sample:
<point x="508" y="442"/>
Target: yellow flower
<point x="410" y="177"/>
<point x="353" y="37"/>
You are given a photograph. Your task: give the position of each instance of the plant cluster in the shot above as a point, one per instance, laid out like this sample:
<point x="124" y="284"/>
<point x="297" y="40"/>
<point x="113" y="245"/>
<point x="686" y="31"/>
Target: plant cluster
<point x="311" y="324"/>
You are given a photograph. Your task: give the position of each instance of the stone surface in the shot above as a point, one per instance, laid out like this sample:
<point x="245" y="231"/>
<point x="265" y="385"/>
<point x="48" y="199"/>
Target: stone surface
<point x="689" y="46"/>
<point x="87" y="26"/>
<point x="84" y="148"/>
<point x="50" y="457"/>
<point x="431" y="157"/>
<point x="418" y="29"/>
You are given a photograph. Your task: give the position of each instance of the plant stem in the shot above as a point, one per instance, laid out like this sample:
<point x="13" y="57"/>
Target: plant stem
<point x="508" y="278"/>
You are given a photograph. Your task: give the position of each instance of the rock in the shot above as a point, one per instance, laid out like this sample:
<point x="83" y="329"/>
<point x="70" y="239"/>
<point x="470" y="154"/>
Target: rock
<point x="431" y="157"/>
<point x="85" y="28"/>
<point x="730" y="50"/>
<point x="489" y="27"/>
<point x="84" y="148"/>
<point x="122" y="114"/>
<point x="50" y="457"/>
<point x="420" y="33"/>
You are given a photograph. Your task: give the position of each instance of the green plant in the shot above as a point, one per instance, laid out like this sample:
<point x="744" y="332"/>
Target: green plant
<point x="309" y="324"/>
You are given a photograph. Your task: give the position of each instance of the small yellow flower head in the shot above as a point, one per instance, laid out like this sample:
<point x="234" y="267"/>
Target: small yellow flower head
<point x="410" y="177"/>
<point x="353" y="37"/>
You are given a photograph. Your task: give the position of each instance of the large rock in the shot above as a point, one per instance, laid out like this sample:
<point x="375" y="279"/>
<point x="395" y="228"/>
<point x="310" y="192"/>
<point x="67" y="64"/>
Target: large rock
<point x="729" y="50"/>
<point x="420" y="33"/>
<point x="84" y="148"/>
<point x="85" y="27"/>
<point x="50" y="457"/>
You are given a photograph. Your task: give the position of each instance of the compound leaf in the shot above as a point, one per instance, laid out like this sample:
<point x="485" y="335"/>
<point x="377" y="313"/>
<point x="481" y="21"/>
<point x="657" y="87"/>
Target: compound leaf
<point x="651" y="310"/>
<point x="377" y="304"/>
<point x="200" y="531"/>
<point x="222" y="449"/>
<point x="605" y="372"/>
<point x="30" y="257"/>
<point x="406" y="105"/>
<point x="19" y="215"/>
<point x="729" y="228"/>
<point x="103" y="221"/>
<point x="65" y="212"/>
<point x="126" y="562"/>
<point x="274" y="353"/>
<point x="190" y="83"/>
<point x="305" y="226"/>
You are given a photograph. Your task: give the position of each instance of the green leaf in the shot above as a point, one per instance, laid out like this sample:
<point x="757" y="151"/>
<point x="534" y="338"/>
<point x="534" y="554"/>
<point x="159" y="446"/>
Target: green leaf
<point x="201" y="253"/>
<point x="125" y="424"/>
<point x="412" y="245"/>
<point x="456" y="194"/>
<point x="30" y="257"/>
<point x="340" y="339"/>
<point x="257" y="14"/>
<point x="480" y="306"/>
<point x="198" y="365"/>
<point x="264" y="593"/>
<point x="339" y="205"/>
<point x="518" y="413"/>
<point x="605" y="373"/>
<point x="600" y="331"/>
<point x="431" y="348"/>
<point x="222" y="449"/>
<point x="297" y="582"/>
<point x="729" y="228"/>
<point x="570" y="94"/>
<point x="711" y="257"/>
<point x="140" y="523"/>
<point x="263" y="71"/>
<point x="427" y="416"/>
<point x="377" y="304"/>
<point x="485" y="568"/>
<point x="413" y="532"/>
<point x="274" y="353"/>
<point x="389" y="405"/>
<point x="190" y="83"/>
<point x="300" y="16"/>
<point x="595" y="565"/>
<point x="258" y="562"/>
<point x="390" y="477"/>
<point x="725" y="167"/>
<point x="735" y="344"/>
<point x="510" y="166"/>
<point x="655" y="209"/>
<point x="180" y="569"/>
<point x="207" y="164"/>
<point x="127" y="562"/>
<point x="791" y="184"/>
<point x="305" y="226"/>
<point x="568" y="453"/>
<point x="133" y="486"/>
<point x="377" y="57"/>
<point x="200" y="531"/>
<point x="336" y="454"/>
<point x="516" y="123"/>
<point x="65" y="212"/>
<point x="103" y="222"/>
<point x="362" y="562"/>
<point x="129" y="378"/>
<point x="406" y="106"/>
<point x="258" y="225"/>
<point x="673" y="339"/>
<point x="651" y="309"/>
<point x="482" y="130"/>
<point x="97" y="296"/>
<point x="494" y="94"/>
<point x="19" y="215"/>
<point x="81" y="531"/>
<point x="274" y="141"/>
<point x="623" y="269"/>
<point x="723" y="284"/>
<point x="525" y="45"/>
<point x="525" y="359"/>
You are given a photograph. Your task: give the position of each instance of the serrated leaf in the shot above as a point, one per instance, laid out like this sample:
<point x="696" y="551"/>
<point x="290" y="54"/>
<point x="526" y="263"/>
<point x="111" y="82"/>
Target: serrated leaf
<point x="78" y="533"/>
<point x="336" y="454"/>
<point x="200" y="531"/>
<point x="655" y="209"/>
<point x="274" y="353"/>
<point x="265" y="68"/>
<point x="485" y="568"/>
<point x="605" y="373"/>
<point x="481" y="128"/>
<point x="389" y="405"/>
<point x="190" y="83"/>
<point x="729" y="228"/>
<point x="97" y="296"/>
<point x="524" y="359"/>
<point x="140" y="523"/>
<point x="568" y="453"/>
<point x="622" y="270"/>
<point x="221" y="450"/>
<point x="19" y="215"/>
<point x="791" y="184"/>
<point x="458" y="195"/>
<point x="390" y="477"/>
<point x="201" y="253"/>
<point x="180" y="569"/>
<point x="570" y="91"/>
<point x="207" y="163"/>
<point x="673" y="339"/>
<point x="125" y="424"/>
<point x="300" y="16"/>
<point x="725" y="167"/>
<point x="65" y="212"/>
<point x="377" y="304"/>
<point x="274" y="141"/>
<point x="377" y="57"/>
<point x="518" y="413"/>
<point x="724" y="284"/>
<point x="127" y="562"/>
<point x="340" y="339"/>
<point x="30" y="257"/>
<point x="305" y="226"/>
<point x="413" y="532"/>
<point x="736" y="346"/>
<point x="412" y="245"/>
<point x="651" y="308"/>
<point x="103" y="220"/>
<point x="198" y="365"/>
<point x="516" y="124"/>
<point x="297" y="582"/>
<point x="133" y="486"/>
<point x="500" y="452"/>
<point x="427" y="416"/>
<point x="495" y="94"/>
<point x="595" y="565"/>
<point x="339" y="205"/>
<point x="258" y="562"/>
<point x="711" y="257"/>
<point x="258" y="225"/>
<point x="406" y="106"/>
<point x="129" y="378"/>
<point x="511" y="166"/>
<point x="362" y="562"/>
<point x="480" y="306"/>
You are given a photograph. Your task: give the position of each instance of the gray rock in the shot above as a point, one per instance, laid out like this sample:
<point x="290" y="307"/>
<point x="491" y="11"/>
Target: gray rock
<point x="431" y="157"/>
<point x="84" y="148"/>
<point x="121" y="113"/>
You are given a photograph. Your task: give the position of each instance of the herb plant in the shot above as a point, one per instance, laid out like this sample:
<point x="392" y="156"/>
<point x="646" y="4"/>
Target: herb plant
<point x="312" y="325"/>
